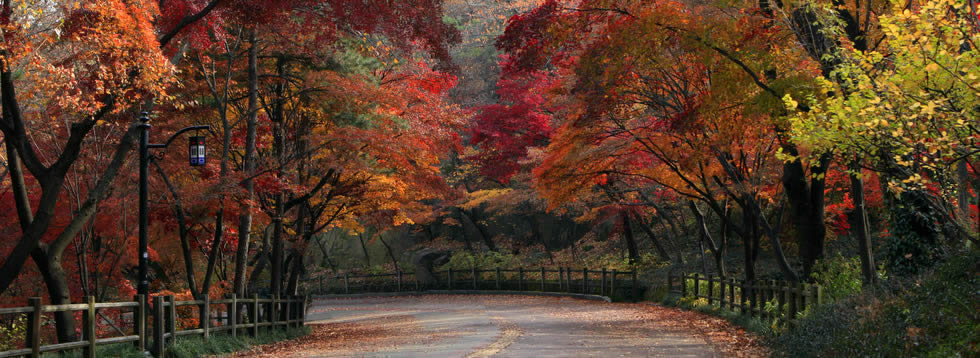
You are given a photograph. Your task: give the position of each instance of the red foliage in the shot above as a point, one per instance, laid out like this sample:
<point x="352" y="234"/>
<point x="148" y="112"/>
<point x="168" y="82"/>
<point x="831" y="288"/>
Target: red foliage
<point x="504" y="132"/>
<point x="524" y="39"/>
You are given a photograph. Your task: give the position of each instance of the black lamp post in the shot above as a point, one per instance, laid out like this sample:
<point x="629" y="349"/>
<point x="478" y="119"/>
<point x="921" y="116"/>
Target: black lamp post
<point x="196" y="152"/>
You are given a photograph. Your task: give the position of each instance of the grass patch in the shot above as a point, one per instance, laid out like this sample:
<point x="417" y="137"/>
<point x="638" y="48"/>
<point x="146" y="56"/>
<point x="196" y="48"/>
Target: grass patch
<point x="751" y="324"/>
<point x="194" y="346"/>
<point x="188" y="347"/>
<point x="120" y="350"/>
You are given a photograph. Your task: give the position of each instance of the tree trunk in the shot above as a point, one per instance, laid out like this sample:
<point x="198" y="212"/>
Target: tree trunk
<point x="628" y="238"/>
<point x="251" y="120"/>
<point x="275" y="271"/>
<point x="296" y="271"/>
<point x="182" y="232"/>
<point x="279" y="147"/>
<point x="391" y="255"/>
<point x="472" y="218"/>
<point x="56" y="281"/>
<point x="367" y="258"/>
<point x="859" y="225"/>
<point x="806" y="203"/>
<point x="750" y="243"/>
<point x="653" y="238"/>
<point x="718" y="251"/>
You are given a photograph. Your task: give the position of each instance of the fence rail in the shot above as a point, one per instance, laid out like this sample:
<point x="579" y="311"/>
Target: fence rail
<point x="611" y="283"/>
<point x="774" y="300"/>
<point x="229" y="316"/>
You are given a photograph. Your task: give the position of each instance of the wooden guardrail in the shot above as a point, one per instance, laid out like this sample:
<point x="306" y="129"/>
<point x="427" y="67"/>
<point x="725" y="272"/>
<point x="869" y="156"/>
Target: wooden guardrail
<point x="229" y="316"/>
<point x="784" y="299"/>
<point x="612" y="283"/>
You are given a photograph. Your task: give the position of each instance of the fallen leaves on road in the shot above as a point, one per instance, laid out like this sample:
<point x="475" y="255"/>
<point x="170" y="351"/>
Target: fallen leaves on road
<point x="343" y="338"/>
<point x="380" y="328"/>
<point x="731" y="340"/>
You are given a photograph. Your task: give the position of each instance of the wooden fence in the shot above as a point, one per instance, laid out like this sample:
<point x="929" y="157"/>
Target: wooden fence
<point x="772" y="300"/>
<point x="161" y="318"/>
<point x="612" y="283"/>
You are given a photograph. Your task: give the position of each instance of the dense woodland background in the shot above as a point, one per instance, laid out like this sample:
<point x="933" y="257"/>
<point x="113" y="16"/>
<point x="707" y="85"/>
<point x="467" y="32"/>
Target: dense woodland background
<point x="832" y="141"/>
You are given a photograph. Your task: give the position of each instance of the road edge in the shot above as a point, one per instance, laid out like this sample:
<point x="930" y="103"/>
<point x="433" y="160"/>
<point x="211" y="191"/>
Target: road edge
<point x="467" y="292"/>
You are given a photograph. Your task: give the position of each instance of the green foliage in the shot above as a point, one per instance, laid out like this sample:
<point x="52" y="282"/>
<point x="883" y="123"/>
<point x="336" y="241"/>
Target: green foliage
<point x="647" y="262"/>
<point x="464" y="260"/>
<point x="839" y="276"/>
<point x="932" y="316"/>
<point x="914" y="244"/>
<point x="12" y="334"/>
<point x="197" y="346"/>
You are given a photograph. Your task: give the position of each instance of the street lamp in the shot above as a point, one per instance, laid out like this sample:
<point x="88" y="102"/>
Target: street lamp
<point x="196" y="154"/>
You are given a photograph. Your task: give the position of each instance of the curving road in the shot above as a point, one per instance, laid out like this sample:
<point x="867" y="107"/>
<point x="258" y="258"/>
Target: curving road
<point x="484" y="326"/>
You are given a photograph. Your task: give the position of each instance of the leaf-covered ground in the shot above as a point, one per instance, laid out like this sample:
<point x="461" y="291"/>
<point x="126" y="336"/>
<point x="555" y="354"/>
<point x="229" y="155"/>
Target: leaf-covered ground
<point x="509" y="326"/>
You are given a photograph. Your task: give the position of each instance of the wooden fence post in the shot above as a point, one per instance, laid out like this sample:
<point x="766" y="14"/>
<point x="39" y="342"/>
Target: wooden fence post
<point x="697" y="286"/>
<point x="88" y="328"/>
<point x="275" y="311"/>
<point x="233" y="313"/>
<point x="817" y="295"/>
<point x="294" y="311"/>
<point x="791" y="302"/>
<point x="741" y="296"/>
<point x="346" y="283"/>
<point x="450" y="279"/>
<point x="542" y="279"/>
<point x="320" y="287"/>
<point x="255" y="315"/>
<point x="561" y="279"/>
<point x="399" y="273"/>
<point x="475" y="283"/>
<point x="288" y="308"/>
<point x="721" y="292"/>
<point x="585" y="280"/>
<point x="497" y="279"/>
<point x="206" y="320"/>
<point x="34" y="327"/>
<point x="683" y="285"/>
<point x="159" y="346"/>
<point x="636" y="289"/>
<point x="602" y="283"/>
<point x="568" y="279"/>
<point x="773" y="286"/>
<point x="172" y="318"/>
<point x="805" y="296"/>
<point x="287" y="311"/>
<point x="711" y="289"/>
<point x="520" y="278"/>
<point x="139" y="322"/>
<point x="781" y="301"/>
<point x="731" y="294"/>
<point x="302" y="317"/>
<point x="612" y="283"/>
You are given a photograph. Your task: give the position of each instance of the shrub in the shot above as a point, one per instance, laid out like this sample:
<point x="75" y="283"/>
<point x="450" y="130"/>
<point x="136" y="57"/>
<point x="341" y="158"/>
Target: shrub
<point x="839" y="276"/>
<point x="12" y="333"/>
<point x="914" y="244"/>
<point x="464" y="260"/>
<point x="934" y="315"/>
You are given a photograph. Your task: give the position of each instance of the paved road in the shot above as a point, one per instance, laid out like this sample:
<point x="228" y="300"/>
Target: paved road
<point x="484" y="326"/>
